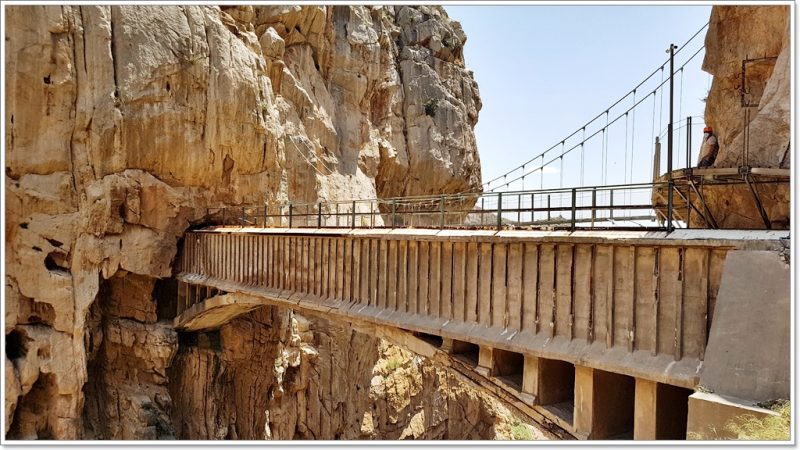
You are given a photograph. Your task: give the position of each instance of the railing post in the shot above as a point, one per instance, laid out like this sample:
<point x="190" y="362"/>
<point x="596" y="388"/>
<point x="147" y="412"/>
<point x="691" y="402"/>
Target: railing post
<point x="337" y="215"/>
<point x="354" y="214"/>
<point x="394" y="212"/>
<point x="533" y="210"/>
<point x="499" y="211"/>
<point x="519" y="208"/>
<point x="611" y="204"/>
<point x="290" y="214"/>
<point x="688" y="141"/>
<point x="244" y="217"/>
<point x="656" y="160"/>
<point x="441" y="212"/>
<point x="671" y="185"/>
<point x="482" y="208"/>
<point x="266" y="216"/>
<point x="574" y="201"/>
<point x="319" y="215"/>
<point x="548" y="207"/>
<point x="672" y="48"/>
<point x="594" y="205"/>
<point x="688" y="209"/>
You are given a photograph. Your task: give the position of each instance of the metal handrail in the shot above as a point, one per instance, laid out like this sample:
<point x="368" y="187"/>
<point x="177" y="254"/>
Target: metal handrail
<point x="608" y="203"/>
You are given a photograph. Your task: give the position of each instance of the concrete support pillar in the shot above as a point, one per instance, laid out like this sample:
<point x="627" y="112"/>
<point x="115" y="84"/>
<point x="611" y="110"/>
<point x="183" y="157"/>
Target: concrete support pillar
<point x="584" y="401"/>
<point x="181" y="296"/>
<point x="447" y="345"/>
<point x="644" y="411"/>
<point x="660" y="411"/>
<point x="485" y="361"/>
<point x="191" y="295"/>
<point x="530" y="379"/>
<point x="603" y="403"/>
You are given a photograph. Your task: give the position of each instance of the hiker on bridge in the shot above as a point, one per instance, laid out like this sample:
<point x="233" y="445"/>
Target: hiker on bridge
<point x="708" y="149"/>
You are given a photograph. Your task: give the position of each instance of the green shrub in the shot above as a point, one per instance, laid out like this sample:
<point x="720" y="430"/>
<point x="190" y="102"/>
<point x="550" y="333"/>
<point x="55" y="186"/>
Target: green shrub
<point x="521" y="432"/>
<point x="392" y="365"/>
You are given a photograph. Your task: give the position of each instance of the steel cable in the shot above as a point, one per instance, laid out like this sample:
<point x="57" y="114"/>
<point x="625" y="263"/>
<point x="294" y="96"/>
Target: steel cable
<point x="660" y="68"/>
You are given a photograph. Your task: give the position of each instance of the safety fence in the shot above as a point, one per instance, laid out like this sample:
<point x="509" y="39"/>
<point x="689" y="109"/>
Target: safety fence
<point x="632" y="206"/>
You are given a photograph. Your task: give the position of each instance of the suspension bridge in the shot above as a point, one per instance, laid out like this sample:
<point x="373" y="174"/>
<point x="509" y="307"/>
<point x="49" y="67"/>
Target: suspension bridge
<point x="594" y="309"/>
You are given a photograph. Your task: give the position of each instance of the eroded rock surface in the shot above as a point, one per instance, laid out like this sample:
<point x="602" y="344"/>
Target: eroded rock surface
<point x="737" y="33"/>
<point x="124" y="123"/>
<point x="316" y="379"/>
<point x="758" y="36"/>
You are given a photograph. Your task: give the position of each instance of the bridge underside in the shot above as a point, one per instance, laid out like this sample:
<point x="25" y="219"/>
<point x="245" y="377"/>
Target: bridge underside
<point x="572" y="325"/>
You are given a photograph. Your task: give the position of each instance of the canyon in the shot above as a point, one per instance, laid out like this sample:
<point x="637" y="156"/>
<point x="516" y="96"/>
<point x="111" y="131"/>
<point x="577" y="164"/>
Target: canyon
<point x="127" y="125"/>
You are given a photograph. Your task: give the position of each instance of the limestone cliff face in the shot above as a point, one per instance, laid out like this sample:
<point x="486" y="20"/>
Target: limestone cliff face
<point x="311" y="378"/>
<point x="737" y="33"/>
<point x="124" y="123"/>
<point x="759" y="34"/>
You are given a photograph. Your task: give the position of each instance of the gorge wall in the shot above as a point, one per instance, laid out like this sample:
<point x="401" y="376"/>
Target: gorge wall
<point x="757" y="37"/>
<point x="761" y="34"/>
<point x="124" y="123"/>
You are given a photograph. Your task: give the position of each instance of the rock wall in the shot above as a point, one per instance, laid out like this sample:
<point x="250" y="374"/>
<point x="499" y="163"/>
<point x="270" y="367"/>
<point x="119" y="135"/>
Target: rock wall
<point x="737" y="33"/>
<point x="761" y="35"/>
<point x="124" y="123"/>
<point x="309" y="378"/>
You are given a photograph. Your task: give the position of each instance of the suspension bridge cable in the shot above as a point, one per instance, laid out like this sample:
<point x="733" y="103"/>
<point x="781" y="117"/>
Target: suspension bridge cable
<point x="633" y="138"/>
<point x="541" y="176"/>
<point x="661" y="101"/>
<point x="561" y="171"/>
<point x="660" y="68"/>
<point x="582" y="152"/>
<point x="680" y="114"/>
<point x="605" y="157"/>
<point x="666" y="129"/>
<point x="652" y="135"/>
<point x="625" y="167"/>
<point x="624" y="113"/>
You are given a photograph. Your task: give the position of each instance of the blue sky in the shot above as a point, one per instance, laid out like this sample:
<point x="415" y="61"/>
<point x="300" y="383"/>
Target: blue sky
<point x="543" y="71"/>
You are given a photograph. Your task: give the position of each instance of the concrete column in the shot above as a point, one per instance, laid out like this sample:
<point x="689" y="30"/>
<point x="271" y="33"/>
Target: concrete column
<point x="485" y="361"/>
<point x="447" y="345"/>
<point x="181" y="297"/>
<point x="644" y="412"/>
<point x="192" y="295"/>
<point x="660" y="411"/>
<point x="603" y="403"/>
<point x="530" y="379"/>
<point x="584" y="401"/>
